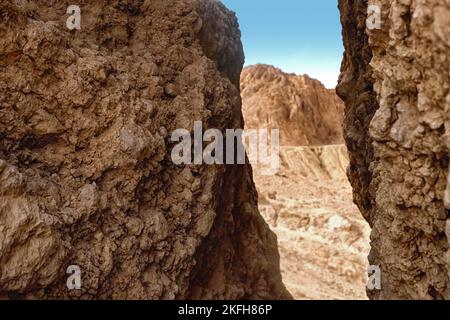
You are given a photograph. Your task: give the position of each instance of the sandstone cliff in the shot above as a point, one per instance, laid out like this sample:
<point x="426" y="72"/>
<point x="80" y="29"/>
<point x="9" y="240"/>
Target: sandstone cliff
<point x="301" y="107"/>
<point x="85" y="171"/>
<point x="395" y="83"/>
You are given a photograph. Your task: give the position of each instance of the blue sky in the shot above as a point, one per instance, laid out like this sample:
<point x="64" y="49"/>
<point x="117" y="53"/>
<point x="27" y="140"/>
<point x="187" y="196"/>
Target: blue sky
<point x="300" y="36"/>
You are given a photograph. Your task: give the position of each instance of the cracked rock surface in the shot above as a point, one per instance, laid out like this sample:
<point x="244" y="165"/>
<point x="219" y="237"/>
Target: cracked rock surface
<point x="86" y="176"/>
<point x="395" y="83"/>
<point x="305" y="112"/>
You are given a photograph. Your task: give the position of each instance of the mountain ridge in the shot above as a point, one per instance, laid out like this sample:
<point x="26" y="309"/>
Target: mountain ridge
<point x="302" y="108"/>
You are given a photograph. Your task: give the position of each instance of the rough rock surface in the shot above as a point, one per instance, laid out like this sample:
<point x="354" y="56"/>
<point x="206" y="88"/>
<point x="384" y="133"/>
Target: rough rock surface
<point x="301" y="107"/>
<point x="85" y="172"/>
<point x="395" y="83"/>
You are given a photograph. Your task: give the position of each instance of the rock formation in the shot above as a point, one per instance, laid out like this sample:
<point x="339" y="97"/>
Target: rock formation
<point x="323" y="239"/>
<point x="301" y="107"/>
<point x="86" y="176"/>
<point x="395" y="83"/>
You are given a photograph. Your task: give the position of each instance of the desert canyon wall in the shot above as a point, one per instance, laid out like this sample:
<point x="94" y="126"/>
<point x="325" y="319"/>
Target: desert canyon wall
<point x="323" y="239"/>
<point x="395" y="83"/>
<point x="85" y="171"/>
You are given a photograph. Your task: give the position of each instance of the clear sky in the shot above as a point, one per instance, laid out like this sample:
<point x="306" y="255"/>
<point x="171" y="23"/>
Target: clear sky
<point x="300" y="36"/>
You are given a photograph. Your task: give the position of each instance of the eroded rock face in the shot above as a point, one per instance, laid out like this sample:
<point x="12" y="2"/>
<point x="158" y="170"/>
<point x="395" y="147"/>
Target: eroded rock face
<point x="395" y="82"/>
<point x="301" y="107"/>
<point x="86" y="176"/>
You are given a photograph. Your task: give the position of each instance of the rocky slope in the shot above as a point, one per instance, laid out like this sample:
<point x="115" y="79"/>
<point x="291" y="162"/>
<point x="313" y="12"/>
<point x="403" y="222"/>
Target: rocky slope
<point x="323" y="240"/>
<point x="301" y="107"/>
<point x="85" y="171"/>
<point x="395" y="82"/>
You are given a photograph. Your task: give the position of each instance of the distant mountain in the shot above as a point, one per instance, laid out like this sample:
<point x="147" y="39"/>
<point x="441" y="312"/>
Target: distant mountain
<point x="301" y="107"/>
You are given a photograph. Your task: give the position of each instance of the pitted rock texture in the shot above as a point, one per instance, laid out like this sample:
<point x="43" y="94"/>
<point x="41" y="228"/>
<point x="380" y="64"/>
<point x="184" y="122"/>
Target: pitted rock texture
<point x="395" y="83"/>
<point x="305" y="112"/>
<point x="86" y="176"/>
